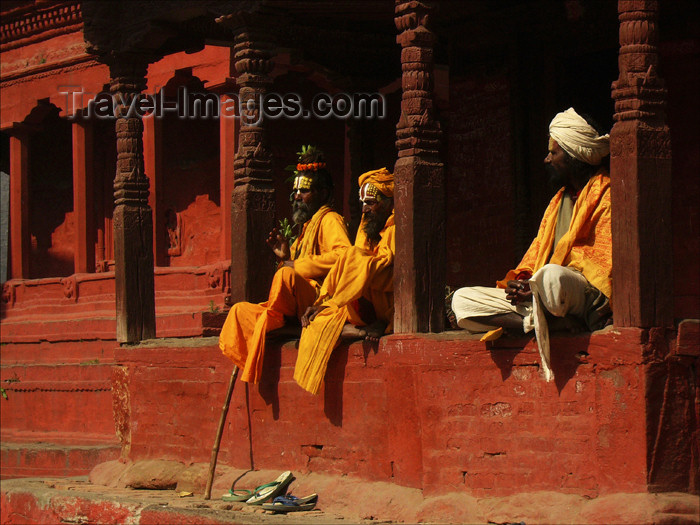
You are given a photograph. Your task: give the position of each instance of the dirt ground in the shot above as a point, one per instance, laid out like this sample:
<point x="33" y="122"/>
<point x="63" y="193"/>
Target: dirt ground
<point x="341" y="500"/>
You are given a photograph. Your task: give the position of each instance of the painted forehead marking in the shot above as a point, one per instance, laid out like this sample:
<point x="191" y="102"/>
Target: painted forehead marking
<point x="302" y="183"/>
<point x="369" y="191"/>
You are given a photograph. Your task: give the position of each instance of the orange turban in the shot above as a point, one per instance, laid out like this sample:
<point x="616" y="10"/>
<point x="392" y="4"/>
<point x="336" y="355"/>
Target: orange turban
<point x="381" y="179"/>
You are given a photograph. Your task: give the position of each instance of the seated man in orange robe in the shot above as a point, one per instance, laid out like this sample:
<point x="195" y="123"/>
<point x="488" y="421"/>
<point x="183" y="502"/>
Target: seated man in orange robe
<point x="566" y="274"/>
<point x="302" y="269"/>
<point x="361" y="281"/>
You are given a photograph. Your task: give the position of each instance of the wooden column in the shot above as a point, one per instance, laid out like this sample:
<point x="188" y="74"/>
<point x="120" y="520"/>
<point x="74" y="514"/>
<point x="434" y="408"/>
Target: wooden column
<point x="640" y="162"/>
<point x="419" y="267"/>
<point x="83" y="195"/>
<point x="133" y="224"/>
<point x="19" y="204"/>
<point x="253" y="195"/>
<point x="153" y="164"/>
<point x="228" y="141"/>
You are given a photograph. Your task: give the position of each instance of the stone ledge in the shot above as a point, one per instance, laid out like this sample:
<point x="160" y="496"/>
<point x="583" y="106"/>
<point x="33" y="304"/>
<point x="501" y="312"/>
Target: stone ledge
<point x="341" y="500"/>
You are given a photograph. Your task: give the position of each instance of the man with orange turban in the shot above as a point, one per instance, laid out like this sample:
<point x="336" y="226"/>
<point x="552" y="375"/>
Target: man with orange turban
<point x="361" y="280"/>
<point x="302" y="268"/>
<point x="566" y="273"/>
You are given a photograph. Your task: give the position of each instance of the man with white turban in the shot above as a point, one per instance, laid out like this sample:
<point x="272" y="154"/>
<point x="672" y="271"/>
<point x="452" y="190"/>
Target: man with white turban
<point x="566" y="274"/>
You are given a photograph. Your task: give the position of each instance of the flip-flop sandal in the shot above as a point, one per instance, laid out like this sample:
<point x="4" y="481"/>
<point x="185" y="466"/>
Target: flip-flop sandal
<point x="237" y="495"/>
<point x="291" y="503"/>
<point x="234" y="494"/>
<point x="268" y="491"/>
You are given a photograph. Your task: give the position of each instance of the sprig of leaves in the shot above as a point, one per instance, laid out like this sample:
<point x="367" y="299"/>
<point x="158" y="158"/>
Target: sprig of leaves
<point x="287" y="230"/>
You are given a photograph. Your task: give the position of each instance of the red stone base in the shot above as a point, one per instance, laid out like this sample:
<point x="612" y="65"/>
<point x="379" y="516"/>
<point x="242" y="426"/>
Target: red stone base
<point x="442" y="413"/>
<point x="438" y="413"/>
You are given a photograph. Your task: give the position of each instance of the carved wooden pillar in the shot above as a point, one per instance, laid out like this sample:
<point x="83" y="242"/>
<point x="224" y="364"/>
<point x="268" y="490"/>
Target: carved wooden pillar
<point x="133" y="223"/>
<point x="253" y="196"/>
<point x="419" y="267"/>
<point x="83" y="195"/>
<point x="640" y="163"/>
<point x="19" y="204"/>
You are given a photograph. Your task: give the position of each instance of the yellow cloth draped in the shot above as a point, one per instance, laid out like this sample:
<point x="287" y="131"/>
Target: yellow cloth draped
<point x="364" y="270"/>
<point x="586" y="247"/>
<point x="322" y="240"/>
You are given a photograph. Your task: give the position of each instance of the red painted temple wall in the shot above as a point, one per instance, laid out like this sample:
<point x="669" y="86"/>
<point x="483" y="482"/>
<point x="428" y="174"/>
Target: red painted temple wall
<point x="434" y="413"/>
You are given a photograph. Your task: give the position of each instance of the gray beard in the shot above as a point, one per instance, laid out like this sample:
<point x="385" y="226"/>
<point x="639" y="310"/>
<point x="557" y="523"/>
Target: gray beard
<point x="301" y="213"/>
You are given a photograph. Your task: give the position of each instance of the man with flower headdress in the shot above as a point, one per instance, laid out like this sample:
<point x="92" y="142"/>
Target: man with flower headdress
<point x="565" y="278"/>
<point x="359" y="289"/>
<point x="302" y="267"/>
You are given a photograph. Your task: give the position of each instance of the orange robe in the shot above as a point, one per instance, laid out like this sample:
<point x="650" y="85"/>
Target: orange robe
<point x="322" y="240"/>
<point x="362" y="271"/>
<point x="586" y="247"/>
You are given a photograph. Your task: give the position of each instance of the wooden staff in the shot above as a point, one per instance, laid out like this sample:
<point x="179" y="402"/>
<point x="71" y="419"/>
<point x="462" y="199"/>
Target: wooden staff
<point x="219" y="432"/>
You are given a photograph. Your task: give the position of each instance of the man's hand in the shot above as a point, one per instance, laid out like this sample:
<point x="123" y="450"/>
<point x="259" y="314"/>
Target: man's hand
<point x="518" y="292"/>
<point x="278" y="244"/>
<point x="309" y="315"/>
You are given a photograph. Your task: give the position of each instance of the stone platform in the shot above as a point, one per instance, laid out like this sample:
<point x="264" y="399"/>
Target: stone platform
<point x="341" y="500"/>
<point x="448" y="428"/>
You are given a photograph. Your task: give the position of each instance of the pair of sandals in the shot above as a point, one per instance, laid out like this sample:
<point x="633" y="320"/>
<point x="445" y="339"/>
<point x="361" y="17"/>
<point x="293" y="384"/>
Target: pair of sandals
<point x="271" y="495"/>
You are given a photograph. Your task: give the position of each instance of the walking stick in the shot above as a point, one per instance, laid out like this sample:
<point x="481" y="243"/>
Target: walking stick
<point x="219" y="432"/>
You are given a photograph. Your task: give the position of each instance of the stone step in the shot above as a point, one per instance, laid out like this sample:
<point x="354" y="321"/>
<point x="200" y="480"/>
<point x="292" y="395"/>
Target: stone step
<point x="29" y="460"/>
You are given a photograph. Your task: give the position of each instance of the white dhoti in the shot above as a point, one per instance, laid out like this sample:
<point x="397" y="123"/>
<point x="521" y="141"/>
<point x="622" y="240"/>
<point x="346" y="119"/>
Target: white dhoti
<point x="557" y="289"/>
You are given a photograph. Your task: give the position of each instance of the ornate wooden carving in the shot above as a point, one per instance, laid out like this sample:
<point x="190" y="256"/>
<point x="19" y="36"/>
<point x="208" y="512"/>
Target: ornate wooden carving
<point x="640" y="176"/>
<point x="132" y="218"/>
<point x="253" y="197"/>
<point x="34" y="23"/>
<point x="419" y="268"/>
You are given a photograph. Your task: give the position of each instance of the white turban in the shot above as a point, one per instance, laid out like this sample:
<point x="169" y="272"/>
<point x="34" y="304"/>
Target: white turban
<point x="578" y="138"/>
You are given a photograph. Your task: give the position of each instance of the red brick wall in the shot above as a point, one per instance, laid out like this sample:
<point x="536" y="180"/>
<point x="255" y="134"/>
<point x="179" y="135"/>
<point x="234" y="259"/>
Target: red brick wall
<point x="422" y="412"/>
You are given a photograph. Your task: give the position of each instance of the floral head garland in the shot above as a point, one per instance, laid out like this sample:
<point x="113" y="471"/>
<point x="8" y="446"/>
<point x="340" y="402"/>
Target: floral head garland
<point x="313" y="166"/>
<point x="299" y="168"/>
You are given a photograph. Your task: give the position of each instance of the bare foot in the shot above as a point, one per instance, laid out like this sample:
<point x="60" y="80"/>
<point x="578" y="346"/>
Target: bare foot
<point x="369" y="333"/>
<point x="374" y="331"/>
<point x="353" y="332"/>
